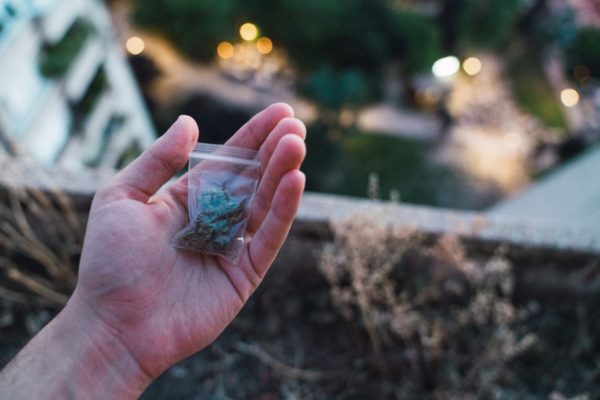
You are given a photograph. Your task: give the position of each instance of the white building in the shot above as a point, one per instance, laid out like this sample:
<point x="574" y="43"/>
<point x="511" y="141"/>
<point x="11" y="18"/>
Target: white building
<point x="67" y="95"/>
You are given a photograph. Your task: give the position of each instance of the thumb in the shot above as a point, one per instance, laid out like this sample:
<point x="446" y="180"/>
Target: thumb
<point x="154" y="167"/>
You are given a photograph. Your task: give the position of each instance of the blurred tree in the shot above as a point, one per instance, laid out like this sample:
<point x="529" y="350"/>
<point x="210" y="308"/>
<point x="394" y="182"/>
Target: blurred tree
<point x="483" y="24"/>
<point x="325" y="31"/>
<point x="537" y="9"/>
<point x="195" y="26"/>
<point x="358" y="34"/>
<point x="341" y="163"/>
<point x="449" y="21"/>
<point x="334" y="89"/>
<point x="339" y="48"/>
<point x="584" y="51"/>
<point x="323" y="159"/>
<point x="415" y="39"/>
<point x="554" y="28"/>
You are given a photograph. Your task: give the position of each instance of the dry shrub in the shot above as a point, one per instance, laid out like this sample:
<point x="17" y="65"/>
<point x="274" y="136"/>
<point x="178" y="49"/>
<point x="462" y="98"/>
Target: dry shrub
<point x="435" y="317"/>
<point x="41" y="235"/>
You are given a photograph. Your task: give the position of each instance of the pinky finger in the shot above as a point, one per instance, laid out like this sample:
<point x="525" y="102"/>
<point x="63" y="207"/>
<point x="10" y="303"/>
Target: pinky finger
<point x="271" y="235"/>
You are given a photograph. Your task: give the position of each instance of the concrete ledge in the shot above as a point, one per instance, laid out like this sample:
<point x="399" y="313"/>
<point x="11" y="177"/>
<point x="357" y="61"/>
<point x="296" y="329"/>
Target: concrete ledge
<point x="319" y="211"/>
<point x="23" y="174"/>
<point x="551" y="261"/>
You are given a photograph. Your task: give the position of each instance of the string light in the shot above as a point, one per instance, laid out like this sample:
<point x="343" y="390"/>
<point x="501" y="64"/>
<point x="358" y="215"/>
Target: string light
<point x="472" y="66"/>
<point x="264" y="45"/>
<point x="569" y="97"/>
<point x="248" y="31"/>
<point x="135" y="45"/>
<point x="446" y="67"/>
<point x="225" y="50"/>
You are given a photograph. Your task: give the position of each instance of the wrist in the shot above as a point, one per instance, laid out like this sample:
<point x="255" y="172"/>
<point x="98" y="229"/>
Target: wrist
<point x="74" y="356"/>
<point x="97" y="362"/>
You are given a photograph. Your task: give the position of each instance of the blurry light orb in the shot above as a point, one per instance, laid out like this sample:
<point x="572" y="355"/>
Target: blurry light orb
<point x="225" y="50"/>
<point x="264" y="45"/>
<point x="472" y="66"/>
<point x="135" y="45"/>
<point x="248" y="31"/>
<point x="512" y="141"/>
<point x="446" y="67"/>
<point x="569" y="97"/>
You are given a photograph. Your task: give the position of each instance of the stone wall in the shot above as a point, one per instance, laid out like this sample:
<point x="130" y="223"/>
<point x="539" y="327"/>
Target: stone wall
<point x="550" y="258"/>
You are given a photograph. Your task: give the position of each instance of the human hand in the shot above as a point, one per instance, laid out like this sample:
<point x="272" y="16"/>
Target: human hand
<point x="162" y="304"/>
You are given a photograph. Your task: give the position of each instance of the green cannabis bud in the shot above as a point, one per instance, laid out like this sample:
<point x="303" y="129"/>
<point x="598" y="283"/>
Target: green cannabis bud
<point x="222" y="182"/>
<point x="218" y="223"/>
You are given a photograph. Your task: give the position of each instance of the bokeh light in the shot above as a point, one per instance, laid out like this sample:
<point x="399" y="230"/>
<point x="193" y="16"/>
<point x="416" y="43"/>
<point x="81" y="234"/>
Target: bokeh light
<point x="264" y="45"/>
<point x="513" y="141"/>
<point x="472" y="66"/>
<point x="446" y="67"/>
<point x="135" y="45"/>
<point x="248" y="31"/>
<point x="569" y="97"/>
<point x="225" y="50"/>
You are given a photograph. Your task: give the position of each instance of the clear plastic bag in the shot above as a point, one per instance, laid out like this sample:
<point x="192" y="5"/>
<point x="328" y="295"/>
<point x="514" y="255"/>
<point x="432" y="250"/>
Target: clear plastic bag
<point x="222" y="182"/>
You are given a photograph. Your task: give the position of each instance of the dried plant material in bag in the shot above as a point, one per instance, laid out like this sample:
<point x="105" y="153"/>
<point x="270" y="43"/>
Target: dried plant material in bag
<point x="222" y="181"/>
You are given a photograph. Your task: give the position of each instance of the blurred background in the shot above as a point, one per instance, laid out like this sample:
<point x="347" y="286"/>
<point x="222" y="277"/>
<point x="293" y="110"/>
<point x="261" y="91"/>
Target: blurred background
<point x="491" y="106"/>
<point x="455" y="103"/>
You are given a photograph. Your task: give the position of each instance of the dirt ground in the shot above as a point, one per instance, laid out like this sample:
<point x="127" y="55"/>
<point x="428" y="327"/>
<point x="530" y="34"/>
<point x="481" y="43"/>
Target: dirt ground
<point x="292" y="341"/>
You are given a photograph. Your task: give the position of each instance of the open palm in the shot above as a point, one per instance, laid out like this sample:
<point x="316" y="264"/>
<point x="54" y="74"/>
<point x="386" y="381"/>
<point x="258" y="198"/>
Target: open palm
<point x="162" y="303"/>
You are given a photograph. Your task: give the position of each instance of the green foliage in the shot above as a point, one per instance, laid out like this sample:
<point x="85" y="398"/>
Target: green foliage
<point x="486" y="24"/>
<point x="195" y="26"/>
<point x="90" y="99"/>
<point x="115" y="123"/>
<point x="533" y="92"/>
<point x="343" y="34"/>
<point x="416" y="40"/>
<point x="352" y="34"/>
<point x="400" y="164"/>
<point x="333" y="89"/>
<point x="584" y="50"/>
<point x="341" y="47"/>
<point x="56" y="59"/>
<point x="355" y="34"/>
<point x="131" y="153"/>
<point x="340" y="162"/>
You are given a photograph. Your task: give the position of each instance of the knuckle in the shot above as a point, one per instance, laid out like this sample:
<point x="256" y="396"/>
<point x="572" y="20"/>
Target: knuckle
<point x="292" y="125"/>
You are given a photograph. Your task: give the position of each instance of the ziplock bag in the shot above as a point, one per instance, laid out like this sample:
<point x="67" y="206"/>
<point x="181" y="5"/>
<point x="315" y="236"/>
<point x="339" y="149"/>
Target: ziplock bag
<point x="222" y="182"/>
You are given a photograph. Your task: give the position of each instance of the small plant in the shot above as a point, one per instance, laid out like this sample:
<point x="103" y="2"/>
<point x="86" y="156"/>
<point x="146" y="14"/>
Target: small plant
<point x="41" y="236"/>
<point x="433" y="315"/>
